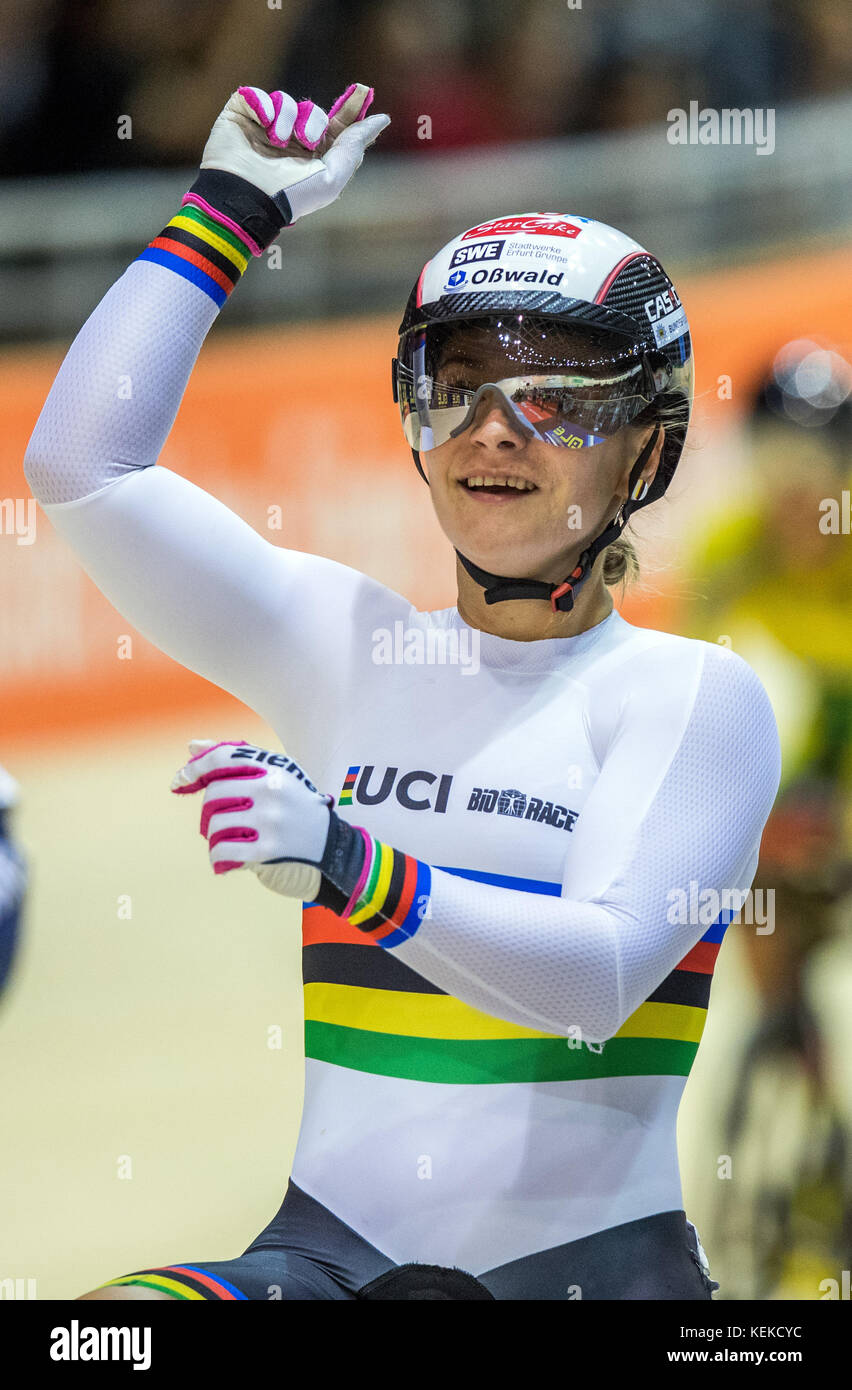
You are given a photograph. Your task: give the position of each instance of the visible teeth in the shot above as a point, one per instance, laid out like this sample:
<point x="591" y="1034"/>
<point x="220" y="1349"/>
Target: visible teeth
<point x="519" y="483"/>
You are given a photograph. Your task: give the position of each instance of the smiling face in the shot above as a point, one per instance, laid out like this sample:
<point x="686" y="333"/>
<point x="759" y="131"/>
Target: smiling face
<point x="507" y="499"/>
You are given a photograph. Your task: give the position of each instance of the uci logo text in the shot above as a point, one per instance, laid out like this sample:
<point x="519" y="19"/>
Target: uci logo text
<point x="363" y="786"/>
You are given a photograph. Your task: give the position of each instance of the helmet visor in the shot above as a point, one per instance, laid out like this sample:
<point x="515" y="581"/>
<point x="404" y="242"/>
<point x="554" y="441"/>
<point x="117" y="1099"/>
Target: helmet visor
<point x="569" y="385"/>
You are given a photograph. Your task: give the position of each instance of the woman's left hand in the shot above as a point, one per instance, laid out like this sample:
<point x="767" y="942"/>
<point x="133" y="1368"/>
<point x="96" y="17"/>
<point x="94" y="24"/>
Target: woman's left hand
<point x="261" y="812"/>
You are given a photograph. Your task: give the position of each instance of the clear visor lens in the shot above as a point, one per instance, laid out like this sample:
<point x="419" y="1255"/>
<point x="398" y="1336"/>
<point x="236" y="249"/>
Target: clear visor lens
<point x="575" y="390"/>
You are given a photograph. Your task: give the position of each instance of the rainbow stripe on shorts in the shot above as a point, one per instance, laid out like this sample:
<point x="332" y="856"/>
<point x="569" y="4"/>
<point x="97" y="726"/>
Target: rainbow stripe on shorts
<point x="181" y="1281"/>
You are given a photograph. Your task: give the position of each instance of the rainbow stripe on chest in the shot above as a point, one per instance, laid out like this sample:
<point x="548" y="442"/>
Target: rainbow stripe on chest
<point x="366" y="1010"/>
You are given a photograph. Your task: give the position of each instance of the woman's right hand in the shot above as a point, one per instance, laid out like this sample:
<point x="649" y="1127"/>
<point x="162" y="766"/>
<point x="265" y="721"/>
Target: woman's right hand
<point x="291" y="151"/>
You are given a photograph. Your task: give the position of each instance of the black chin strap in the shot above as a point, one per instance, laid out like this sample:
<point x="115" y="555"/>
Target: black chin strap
<point x="561" y="597"/>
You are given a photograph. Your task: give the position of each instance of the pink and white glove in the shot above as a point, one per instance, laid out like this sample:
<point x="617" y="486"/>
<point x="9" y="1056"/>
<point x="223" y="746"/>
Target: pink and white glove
<point x="270" y="159"/>
<point x="260" y="812"/>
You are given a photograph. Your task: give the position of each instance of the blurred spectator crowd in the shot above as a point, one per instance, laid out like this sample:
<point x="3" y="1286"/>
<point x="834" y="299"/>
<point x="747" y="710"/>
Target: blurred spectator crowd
<point x="509" y="70"/>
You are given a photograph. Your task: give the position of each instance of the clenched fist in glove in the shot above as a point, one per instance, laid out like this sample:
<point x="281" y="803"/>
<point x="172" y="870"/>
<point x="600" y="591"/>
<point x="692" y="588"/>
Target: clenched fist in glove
<point x="271" y="160"/>
<point x="261" y="812"/>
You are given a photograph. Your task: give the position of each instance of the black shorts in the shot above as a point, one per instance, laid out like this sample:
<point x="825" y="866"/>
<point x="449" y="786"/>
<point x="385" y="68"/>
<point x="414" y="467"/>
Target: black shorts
<point x="308" y="1253"/>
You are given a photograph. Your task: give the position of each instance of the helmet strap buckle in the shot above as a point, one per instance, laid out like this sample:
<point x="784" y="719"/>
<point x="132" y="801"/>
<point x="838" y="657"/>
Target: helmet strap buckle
<point x="557" y="594"/>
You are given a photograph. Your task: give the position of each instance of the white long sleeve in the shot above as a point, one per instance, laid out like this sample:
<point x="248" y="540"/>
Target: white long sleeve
<point x="185" y="570"/>
<point x="681" y="800"/>
<point x="120" y="385"/>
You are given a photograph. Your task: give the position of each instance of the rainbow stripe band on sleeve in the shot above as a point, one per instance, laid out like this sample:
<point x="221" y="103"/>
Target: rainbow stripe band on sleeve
<point x="204" y="252"/>
<point x="391" y="897"/>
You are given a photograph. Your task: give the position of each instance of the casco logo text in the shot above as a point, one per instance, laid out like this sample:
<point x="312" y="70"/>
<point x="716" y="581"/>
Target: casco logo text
<point x="662" y="304"/>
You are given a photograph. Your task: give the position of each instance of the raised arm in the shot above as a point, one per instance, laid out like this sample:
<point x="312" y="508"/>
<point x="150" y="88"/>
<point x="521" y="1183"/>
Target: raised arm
<point x="187" y="572"/>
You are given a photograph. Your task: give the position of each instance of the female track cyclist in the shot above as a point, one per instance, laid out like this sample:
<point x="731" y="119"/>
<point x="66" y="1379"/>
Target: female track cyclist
<point x="504" y="991"/>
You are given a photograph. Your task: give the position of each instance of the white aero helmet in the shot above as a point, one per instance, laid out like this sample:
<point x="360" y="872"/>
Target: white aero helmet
<point x="592" y="336"/>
